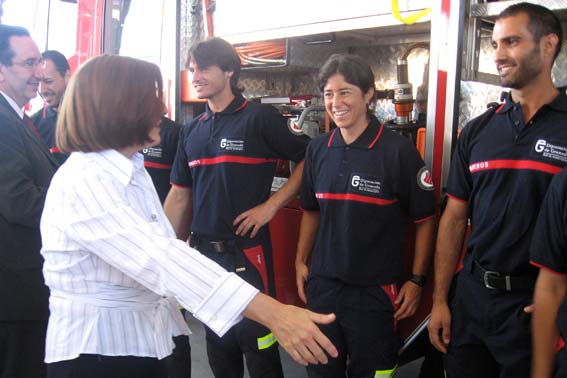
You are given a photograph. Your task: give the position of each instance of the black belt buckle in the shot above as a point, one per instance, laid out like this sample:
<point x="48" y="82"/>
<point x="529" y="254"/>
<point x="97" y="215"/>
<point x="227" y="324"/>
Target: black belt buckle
<point x="489" y="278"/>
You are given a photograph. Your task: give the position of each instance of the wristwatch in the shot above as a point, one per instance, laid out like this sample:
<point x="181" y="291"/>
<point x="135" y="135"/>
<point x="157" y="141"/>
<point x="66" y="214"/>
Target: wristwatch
<point x="418" y="279"/>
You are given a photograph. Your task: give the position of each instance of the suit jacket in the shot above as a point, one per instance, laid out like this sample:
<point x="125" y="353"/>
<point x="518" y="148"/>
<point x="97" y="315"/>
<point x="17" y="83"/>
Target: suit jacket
<point x="26" y="168"/>
<point x="45" y="121"/>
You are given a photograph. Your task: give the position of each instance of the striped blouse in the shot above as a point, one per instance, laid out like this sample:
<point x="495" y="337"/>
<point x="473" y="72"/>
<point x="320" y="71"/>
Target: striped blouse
<point x="115" y="269"/>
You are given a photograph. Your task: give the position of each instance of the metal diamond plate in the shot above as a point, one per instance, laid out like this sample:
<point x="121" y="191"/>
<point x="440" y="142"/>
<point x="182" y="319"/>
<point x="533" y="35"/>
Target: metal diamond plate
<point x="475" y="96"/>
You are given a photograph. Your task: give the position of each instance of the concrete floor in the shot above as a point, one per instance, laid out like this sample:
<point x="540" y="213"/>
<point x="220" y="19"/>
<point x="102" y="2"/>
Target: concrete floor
<point x="200" y="366"/>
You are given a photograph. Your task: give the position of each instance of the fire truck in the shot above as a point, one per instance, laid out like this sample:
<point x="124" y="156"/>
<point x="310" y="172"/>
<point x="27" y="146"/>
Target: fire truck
<point x="432" y="61"/>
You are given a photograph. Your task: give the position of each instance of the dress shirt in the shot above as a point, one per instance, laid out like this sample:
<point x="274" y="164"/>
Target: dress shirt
<point x="13" y="104"/>
<point x="115" y="268"/>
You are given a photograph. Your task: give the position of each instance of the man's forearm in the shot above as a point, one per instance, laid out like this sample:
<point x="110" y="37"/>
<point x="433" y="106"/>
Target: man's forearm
<point x="178" y="207"/>
<point x="424" y="234"/>
<point x="549" y="292"/>
<point x="289" y="191"/>
<point x="307" y="234"/>
<point x="451" y="234"/>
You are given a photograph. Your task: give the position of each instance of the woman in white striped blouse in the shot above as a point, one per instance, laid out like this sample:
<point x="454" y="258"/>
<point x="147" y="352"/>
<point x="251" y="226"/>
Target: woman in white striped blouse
<point x="114" y="267"/>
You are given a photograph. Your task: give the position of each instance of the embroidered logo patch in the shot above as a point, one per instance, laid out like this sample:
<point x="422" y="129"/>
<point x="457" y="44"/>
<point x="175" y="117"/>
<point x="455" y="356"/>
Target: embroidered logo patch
<point x="550" y="150"/>
<point x="232" y="144"/>
<point x="365" y="184"/>
<point x="424" y="179"/>
<point x="153" y="152"/>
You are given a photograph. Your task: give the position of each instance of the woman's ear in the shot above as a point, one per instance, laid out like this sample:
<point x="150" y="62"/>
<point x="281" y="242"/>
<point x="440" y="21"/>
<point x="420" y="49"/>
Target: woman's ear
<point x="368" y="96"/>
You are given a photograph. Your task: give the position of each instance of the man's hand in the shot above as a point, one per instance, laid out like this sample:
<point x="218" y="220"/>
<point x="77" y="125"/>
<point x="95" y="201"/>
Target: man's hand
<point x="254" y="219"/>
<point x="301" y="273"/>
<point x="439" y="326"/>
<point x="298" y="334"/>
<point x="408" y="300"/>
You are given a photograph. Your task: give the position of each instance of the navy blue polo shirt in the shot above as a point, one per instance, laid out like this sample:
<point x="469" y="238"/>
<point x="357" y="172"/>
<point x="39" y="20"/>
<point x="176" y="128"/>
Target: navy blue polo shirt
<point x="549" y="243"/>
<point x="365" y="192"/>
<point x="45" y="121"/>
<point x="502" y="168"/>
<point x="229" y="160"/>
<point x="158" y="159"/>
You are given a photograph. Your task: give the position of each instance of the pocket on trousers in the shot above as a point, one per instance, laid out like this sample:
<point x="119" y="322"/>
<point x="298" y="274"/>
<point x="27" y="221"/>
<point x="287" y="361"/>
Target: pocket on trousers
<point x="391" y="292"/>
<point x="255" y="256"/>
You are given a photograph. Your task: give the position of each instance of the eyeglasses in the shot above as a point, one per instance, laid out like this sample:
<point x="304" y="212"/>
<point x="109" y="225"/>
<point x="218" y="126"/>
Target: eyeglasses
<point x="30" y="64"/>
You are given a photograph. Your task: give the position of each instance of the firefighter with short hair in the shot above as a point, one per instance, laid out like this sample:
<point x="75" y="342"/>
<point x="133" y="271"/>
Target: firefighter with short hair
<point x="361" y="184"/>
<point x="502" y="166"/>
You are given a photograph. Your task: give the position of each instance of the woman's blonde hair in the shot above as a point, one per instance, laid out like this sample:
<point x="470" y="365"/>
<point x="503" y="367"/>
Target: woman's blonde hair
<point x="111" y="102"/>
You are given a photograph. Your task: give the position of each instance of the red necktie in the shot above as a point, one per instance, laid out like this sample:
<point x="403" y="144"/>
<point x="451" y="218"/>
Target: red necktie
<point x="31" y="126"/>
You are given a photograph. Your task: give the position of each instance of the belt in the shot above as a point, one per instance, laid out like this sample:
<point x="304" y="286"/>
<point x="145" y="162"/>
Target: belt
<point x="500" y="281"/>
<point x="220" y="246"/>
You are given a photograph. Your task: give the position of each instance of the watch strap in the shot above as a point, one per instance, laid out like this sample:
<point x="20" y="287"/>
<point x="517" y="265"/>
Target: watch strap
<point x="418" y="279"/>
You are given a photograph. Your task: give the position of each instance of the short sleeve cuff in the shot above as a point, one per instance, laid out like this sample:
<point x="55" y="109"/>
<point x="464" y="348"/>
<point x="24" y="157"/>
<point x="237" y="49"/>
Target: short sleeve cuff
<point x="424" y="219"/>
<point x="536" y="264"/>
<point x="223" y="307"/>
<point x="179" y="185"/>
<point x="309" y="208"/>
<point x="457" y="198"/>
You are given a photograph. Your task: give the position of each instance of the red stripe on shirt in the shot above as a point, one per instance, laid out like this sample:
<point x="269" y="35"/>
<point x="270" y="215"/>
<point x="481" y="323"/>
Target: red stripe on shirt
<point x="54" y="150"/>
<point x="513" y="164"/>
<point x="150" y="164"/>
<point x="241" y="106"/>
<point x="354" y="197"/>
<point x="377" y="137"/>
<point x="546" y="268"/>
<point x="230" y="159"/>
<point x="331" y="138"/>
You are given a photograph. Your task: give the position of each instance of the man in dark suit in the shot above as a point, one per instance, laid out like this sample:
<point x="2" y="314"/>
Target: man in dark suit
<point x="25" y="172"/>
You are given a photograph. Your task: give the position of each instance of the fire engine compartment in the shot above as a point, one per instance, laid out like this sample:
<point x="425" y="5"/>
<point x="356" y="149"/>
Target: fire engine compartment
<point x="381" y="46"/>
<point x="460" y="54"/>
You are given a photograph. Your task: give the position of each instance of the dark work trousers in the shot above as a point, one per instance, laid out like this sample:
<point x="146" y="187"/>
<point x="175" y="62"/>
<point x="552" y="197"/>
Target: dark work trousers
<point x="561" y="363"/>
<point x="247" y="338"/>
<point x="22" y="349"/>
<point x="178" y="364"/>
<point x="97" y="366"/>
<point x="364" y="333"/>
<point x="490" y="332"/>
<point x="561" y="357"/>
